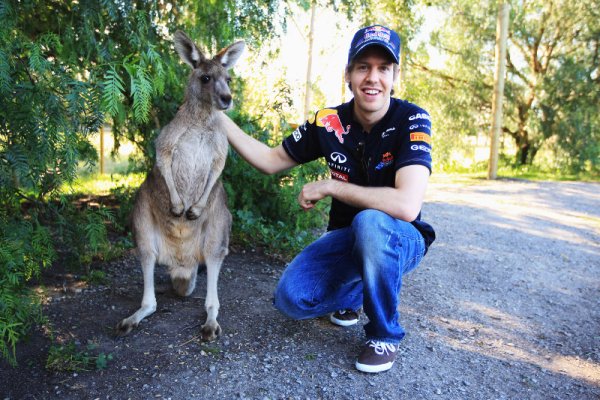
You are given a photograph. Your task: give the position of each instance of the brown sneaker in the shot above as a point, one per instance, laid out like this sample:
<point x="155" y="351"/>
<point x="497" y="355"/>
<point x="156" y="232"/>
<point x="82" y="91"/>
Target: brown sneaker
<point x="376" y="356"/>
<point x="344" y="317"/>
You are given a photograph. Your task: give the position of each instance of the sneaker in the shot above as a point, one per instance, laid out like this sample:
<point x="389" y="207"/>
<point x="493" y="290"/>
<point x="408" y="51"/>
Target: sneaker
<point x="344" y="317"/>
<point x="376" y="356"/>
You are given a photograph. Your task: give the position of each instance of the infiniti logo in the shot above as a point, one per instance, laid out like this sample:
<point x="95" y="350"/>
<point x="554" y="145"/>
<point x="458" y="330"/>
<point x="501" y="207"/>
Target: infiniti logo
<point x="338" y="157"/>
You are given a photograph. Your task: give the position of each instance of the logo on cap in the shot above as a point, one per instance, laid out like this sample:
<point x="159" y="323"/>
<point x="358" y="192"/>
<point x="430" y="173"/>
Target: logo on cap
<point x="375" y="35"/>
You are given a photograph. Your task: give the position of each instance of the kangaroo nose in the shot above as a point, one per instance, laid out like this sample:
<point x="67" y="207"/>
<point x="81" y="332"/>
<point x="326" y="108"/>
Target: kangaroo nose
<point x="225" y="100"/>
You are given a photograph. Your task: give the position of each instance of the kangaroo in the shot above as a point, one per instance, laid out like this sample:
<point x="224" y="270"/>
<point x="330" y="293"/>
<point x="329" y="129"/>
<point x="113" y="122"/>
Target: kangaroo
<point x="180" y="217"/>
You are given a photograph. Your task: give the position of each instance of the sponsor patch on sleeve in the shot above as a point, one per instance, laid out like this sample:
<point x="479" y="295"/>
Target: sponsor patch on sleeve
<point x="420" y="137"/>
<point x="423" y="126"/>
<point x="419" y="116"/>
<point x="420" y="147"/>
<point x="297" y="135"/>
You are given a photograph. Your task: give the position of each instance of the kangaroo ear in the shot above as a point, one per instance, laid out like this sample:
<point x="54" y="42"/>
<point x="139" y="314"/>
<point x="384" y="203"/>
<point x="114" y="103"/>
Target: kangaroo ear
<point x="187" y="50"/>
<point x="229" y="55"/>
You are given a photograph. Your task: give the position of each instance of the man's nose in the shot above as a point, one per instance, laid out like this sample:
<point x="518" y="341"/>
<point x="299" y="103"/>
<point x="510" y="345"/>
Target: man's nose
<point x="372" y="74"/>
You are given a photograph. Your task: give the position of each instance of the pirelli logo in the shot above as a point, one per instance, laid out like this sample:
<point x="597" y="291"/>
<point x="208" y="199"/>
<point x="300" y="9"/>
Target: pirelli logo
<point x="420" y="137"/>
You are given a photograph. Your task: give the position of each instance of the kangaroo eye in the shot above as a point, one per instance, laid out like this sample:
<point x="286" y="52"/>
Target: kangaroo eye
<point x="204" y="78"/>
<point x="228" y="80"/>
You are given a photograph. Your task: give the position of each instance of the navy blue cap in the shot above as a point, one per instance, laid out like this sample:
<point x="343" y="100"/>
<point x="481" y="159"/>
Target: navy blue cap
<point x="375" y="35"/>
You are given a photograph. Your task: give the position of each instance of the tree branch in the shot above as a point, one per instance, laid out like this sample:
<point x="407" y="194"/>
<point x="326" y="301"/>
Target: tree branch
<point x="449" y="79"/>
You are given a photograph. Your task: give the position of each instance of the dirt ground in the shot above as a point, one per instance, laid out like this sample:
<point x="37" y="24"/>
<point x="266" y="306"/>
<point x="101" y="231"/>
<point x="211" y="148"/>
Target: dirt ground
<point x="506" y="305"/>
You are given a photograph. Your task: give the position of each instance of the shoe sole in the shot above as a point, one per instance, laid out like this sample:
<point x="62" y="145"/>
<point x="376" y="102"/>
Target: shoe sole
<point x="342" y="322"/>
<point x="372" y="369"/>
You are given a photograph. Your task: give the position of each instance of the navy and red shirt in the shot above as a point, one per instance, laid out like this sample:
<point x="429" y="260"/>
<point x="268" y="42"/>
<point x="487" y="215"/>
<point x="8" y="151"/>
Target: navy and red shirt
<point x="401" y="138"/>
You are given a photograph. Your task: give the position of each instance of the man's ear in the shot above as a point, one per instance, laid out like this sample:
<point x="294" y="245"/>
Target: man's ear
<point x="396" y="69"/>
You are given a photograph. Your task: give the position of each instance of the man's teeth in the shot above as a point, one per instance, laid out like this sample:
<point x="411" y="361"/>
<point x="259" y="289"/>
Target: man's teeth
<point x="371" y="91"/>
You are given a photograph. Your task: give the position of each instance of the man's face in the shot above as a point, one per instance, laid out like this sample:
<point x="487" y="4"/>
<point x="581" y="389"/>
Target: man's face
<point x="372" y="78"/>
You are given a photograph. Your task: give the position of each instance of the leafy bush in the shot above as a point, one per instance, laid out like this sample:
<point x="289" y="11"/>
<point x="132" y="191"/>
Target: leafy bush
<point x="25" y="247"/>
<point x="264" y="207"/>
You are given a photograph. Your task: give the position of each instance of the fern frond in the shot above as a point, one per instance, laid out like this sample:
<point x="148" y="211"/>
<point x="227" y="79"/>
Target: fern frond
<point x="37" y="62"/>
<point x="5" y="78"/>
<point x="158" y="78"/>
<point x="113" y="90"/>
<point x="95" y="230"/>
<point x="17" y="160"/>
<point x="141" y="90"/>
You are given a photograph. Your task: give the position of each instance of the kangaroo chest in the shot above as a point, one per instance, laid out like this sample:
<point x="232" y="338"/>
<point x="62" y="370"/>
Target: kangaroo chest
<point x="196" y="156"/>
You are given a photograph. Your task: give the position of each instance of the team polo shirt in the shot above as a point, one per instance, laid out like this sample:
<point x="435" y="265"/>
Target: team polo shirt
<point x="401" y="138"/>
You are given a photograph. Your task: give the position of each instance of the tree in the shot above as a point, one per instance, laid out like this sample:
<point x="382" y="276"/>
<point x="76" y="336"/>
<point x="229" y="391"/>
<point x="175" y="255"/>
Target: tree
<point x="552" y="65"/>
<point x="551" y="41"/>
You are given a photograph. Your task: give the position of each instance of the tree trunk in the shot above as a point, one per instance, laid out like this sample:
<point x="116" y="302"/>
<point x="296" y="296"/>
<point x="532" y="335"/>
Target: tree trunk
<point x="501" y="39"/>
<point x="308" y="93"/>
<point x="523" y="154"/>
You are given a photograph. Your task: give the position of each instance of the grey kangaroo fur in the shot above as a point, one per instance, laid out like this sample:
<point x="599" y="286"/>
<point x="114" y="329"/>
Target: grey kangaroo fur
<point x="180" y="217"/>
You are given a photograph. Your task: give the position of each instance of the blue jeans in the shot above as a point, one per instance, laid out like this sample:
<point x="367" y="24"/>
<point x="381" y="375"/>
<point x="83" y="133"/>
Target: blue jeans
<point x="359" y="265"/>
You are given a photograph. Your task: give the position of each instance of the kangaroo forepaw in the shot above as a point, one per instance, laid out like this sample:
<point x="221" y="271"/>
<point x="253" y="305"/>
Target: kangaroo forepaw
<point x="193" y="213"/>
<point x="177" y="210"/>
<point x="210" y="331"/>
<point x="124" y="327"/>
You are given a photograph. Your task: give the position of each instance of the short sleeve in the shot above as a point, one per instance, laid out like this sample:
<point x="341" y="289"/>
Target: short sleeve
<point x="415" y="140"/>
<point x="303" y="144"/>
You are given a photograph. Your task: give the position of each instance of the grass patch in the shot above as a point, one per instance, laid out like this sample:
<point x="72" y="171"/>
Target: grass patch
<point x="96" y="184"/>
<point x="68" y="358"/>
<point x="96" y="277"/>
<point x="527" y="172"/>
<point x="210" y="349"/>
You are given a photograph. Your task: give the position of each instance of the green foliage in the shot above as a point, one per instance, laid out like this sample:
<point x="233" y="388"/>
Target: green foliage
<point x="68" y="358"/>
<point x="265" y="209"/>
<point x="25" y="248"/>
<point x="113" y="91"/>
<point x="96" y="277"/>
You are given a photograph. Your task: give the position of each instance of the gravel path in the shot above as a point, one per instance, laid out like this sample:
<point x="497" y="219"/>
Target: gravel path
<point x="506" y="305"/>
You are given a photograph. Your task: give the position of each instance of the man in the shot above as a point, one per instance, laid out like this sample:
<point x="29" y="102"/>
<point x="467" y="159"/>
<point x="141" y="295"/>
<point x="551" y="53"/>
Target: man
<point x="378" y="149"/>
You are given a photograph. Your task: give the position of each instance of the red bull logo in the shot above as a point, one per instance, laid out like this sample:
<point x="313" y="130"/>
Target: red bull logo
<point x="332" y="123"/>
<point x="386" y="160"/>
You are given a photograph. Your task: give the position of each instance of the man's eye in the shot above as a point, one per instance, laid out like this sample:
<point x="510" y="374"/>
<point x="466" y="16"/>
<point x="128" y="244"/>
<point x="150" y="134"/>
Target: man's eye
<point x="204" y="78"/>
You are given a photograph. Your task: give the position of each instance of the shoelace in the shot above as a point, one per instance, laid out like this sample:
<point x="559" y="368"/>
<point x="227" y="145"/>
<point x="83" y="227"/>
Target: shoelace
<point x="381" y="347"/>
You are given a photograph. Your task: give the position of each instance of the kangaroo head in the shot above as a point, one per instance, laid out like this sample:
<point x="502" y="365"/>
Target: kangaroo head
<point x="209" y="81"/>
